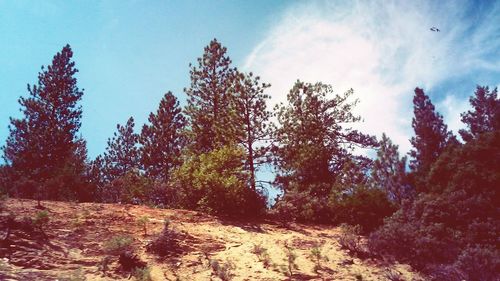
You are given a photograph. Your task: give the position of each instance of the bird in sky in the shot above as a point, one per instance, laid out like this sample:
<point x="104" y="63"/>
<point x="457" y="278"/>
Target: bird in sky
<point x="435" y="29"/>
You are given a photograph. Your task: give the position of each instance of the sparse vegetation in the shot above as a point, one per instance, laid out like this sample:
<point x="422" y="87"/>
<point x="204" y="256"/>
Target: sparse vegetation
<point x="119" y="244"/>
<point x="291" y="256"/>
<point x="262" y="254"/>
<point x="142" y="274"/>
<point x="41" y="219"/>
<point x="143" y="223"/>
<point x="350" y="239"/>
<point x="317" y="256"/>
<point x="167" y="242"/>
<point x="224" y="271"/>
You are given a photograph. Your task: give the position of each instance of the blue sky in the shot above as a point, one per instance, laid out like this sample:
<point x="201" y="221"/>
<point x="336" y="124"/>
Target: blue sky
<point x="130" y="53"/>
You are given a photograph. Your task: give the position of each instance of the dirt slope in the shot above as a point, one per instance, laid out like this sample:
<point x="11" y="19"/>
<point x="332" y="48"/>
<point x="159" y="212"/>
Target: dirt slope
<point x="73" y="246"/>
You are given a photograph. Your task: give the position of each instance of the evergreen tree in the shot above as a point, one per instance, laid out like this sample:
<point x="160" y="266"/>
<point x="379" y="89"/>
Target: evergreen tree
<point x="431" y="134"/>
<point x="486" y="114"/>
<point x="253" y="119"/>
<point x="209" y="109"/>
<point x="312" y="140"/>
<point x="388" y="171"/>
<point x="43" y="147"/>
<point x="122" y="153"/>
<point x="162" y="140"/>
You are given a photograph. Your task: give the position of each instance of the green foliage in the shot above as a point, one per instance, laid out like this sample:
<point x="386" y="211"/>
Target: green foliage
<point x="312" y="144"/>
<point x="122" y="153"/>
<point x="216" y="183"/>
<point x="43" y="146"/>
<point x="486" y="114"/>
<point x="143" y="223"/>
<point x="209" y="109"/>
<point x="317" y="256"/>
<point x="350" y="239"/>
<point x="41" y="219"/>
<point x="132" y="187"/>
<point x="162" y="139"/>
<point x="118" y="244"/>
<point x="389" y="172"/>
<point x="460" y="210"/>
<point x="431" y="134"/>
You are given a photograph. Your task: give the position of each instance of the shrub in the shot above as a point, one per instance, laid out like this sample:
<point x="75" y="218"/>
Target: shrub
<point x="118" y="244"/>
<point x="143" y="223"/>
<point x="218" y="184"/>
<point x="223" y="271"/>
<point x="290" y="260"/>
<point x="41" y="219"/>
<point x="142" y="274"/>
<point x="350" y="238"/>
<point x="317" y="257"/>
<point x="129" y="261"/>
<point x="435" y="232"/>
<point x="167" y="242"/>
<point x="262" y="254"/>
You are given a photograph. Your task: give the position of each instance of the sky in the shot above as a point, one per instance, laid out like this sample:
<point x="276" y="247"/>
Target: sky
<point x="129" y="53"/>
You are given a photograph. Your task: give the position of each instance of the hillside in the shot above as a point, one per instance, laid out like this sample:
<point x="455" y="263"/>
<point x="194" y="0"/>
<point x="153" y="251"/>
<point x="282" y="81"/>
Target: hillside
<point x="72" y="246"/>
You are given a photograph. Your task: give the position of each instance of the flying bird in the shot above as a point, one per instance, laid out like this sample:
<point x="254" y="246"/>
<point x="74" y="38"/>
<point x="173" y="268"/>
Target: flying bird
<point x="435" y="29"/>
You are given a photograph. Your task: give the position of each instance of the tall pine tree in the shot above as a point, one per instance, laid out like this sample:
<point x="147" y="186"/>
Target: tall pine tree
<point x="253" y="120"/>
<point x="485" y="116"/>
<point x="431" y="134"/>
<point x="313" y="140"/>
<point x="389" y="171"/>
<point x="44" y="150"/>
<point x="209" y="108"/>
<point x="122" y="152"/>
<point x="162" y="140"/>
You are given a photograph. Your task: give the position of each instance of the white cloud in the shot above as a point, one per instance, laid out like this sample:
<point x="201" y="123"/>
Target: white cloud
<point x="382" y="50"/>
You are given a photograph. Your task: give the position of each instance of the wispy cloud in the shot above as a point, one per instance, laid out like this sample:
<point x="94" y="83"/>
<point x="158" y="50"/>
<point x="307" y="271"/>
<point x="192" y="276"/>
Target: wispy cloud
<point x="382" y="50"/>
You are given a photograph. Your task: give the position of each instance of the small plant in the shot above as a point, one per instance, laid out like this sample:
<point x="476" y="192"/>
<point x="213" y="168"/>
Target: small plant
<point x="393" y="275"/>
<point x="290" y="259"/>
<point x="317" y="257"/>
<point x="104" y="265"/>
<point x="262" y="254"/>
<point x="223" y="271"/>
<point x="118" y="244"/>
<point x="143" y="223"/>
<point x="142" y="274"/>
<point x="167" y="242"/>
<point x="129" y="261"/>
<point x="41" y="220"/>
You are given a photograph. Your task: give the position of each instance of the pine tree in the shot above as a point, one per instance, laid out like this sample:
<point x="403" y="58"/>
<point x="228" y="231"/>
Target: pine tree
<point x="388" y="171"/>
<point x="162" y="140"/>
<point x="43" y="146"/>
<point x="122" y="153"/>
<point x="431" y="134"/>
<point x="486" y="114"/>
<point x="253" y="119"/>
<point x="209" y="109"/>
<point x="313" y="141"/>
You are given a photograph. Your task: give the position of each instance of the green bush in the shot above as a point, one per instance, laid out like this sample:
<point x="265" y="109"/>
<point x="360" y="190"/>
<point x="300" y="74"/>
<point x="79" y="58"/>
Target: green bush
<point x="434" y="232"/>
<point x="216" y="183"/>
<point x="118" y="244"/>
<point x="41" y="219"/>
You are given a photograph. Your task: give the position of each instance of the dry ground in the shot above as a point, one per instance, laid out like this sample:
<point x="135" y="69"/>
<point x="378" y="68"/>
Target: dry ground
<point x="73" y="246"/>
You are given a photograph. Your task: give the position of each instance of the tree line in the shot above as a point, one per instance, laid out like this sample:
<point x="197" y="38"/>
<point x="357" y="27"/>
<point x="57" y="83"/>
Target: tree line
<point x="205" y="157"/>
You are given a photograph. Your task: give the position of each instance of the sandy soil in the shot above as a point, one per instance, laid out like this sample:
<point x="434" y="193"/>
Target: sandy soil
<point x="73" y="246"/>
